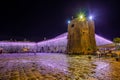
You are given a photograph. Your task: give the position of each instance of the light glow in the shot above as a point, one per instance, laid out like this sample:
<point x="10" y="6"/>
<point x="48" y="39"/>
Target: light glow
<point x="90" y="17"/>
<point x="69" y="22"/>
<point x="60" y="44"/>
<point x="82" y="17"/>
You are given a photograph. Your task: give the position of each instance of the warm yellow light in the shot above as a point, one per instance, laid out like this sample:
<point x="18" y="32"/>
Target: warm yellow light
<point x="82" y="17"/>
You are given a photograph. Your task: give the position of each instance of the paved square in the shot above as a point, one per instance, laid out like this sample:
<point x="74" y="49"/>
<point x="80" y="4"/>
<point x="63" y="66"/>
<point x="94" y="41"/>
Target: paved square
<point x="51" y="66"/>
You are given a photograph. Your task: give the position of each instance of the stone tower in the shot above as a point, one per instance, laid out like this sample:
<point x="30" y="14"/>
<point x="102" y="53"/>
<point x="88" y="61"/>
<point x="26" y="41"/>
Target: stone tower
<point x="81" y="36"/>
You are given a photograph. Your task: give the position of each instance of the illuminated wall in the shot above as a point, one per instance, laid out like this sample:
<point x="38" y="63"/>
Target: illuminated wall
<point x="81" y="36"/>
<point x="57" y="44"/>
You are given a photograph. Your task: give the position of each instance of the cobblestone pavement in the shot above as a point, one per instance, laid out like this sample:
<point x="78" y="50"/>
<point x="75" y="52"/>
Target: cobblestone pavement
<point x="49" y="66"/>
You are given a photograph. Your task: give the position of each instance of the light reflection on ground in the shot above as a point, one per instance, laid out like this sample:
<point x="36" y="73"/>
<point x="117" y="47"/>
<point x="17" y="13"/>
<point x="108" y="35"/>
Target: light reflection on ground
<point x="57" y="66"/>
<point x="102" y="70"/>
<point x="102" y="65"/>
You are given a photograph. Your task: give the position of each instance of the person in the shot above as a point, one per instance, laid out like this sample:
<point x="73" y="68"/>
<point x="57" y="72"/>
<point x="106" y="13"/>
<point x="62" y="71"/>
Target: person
<point x="98" y="53"/>
<point x="1" y="50"/>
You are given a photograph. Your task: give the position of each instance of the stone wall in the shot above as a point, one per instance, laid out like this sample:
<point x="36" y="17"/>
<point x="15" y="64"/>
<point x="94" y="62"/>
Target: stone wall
<point x="81" y="37"/>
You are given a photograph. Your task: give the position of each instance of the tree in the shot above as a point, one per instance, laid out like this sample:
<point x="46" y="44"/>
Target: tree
<point x="117" y="42"/>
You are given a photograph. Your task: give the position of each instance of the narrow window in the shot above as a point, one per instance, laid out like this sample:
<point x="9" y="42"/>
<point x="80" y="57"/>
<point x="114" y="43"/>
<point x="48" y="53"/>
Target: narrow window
<point x="72" y="25"/>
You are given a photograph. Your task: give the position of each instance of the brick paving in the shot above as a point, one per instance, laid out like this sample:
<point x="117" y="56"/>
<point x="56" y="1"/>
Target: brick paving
<point x="46" y="66"/>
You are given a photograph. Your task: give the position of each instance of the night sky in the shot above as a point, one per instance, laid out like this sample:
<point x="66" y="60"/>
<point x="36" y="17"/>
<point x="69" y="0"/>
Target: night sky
<point x="35" y="20"/>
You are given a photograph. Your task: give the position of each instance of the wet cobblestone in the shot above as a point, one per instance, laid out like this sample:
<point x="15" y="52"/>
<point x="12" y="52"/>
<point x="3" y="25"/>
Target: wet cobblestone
<point x="46" y="66"/>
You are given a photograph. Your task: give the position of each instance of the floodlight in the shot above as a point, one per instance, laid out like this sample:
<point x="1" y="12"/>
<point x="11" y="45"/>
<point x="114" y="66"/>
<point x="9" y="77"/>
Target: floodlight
<point x="81" y="16"/>
<point x="68" y="21"/>
<point x="90" y="17"/>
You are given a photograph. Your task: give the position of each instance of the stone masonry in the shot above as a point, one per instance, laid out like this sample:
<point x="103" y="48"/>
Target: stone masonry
<point x="81" y="37"/>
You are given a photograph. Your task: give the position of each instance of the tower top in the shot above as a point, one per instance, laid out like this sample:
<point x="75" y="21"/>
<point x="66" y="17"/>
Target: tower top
<point x="81" y="35"/>
<point x="83" y="17"/>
